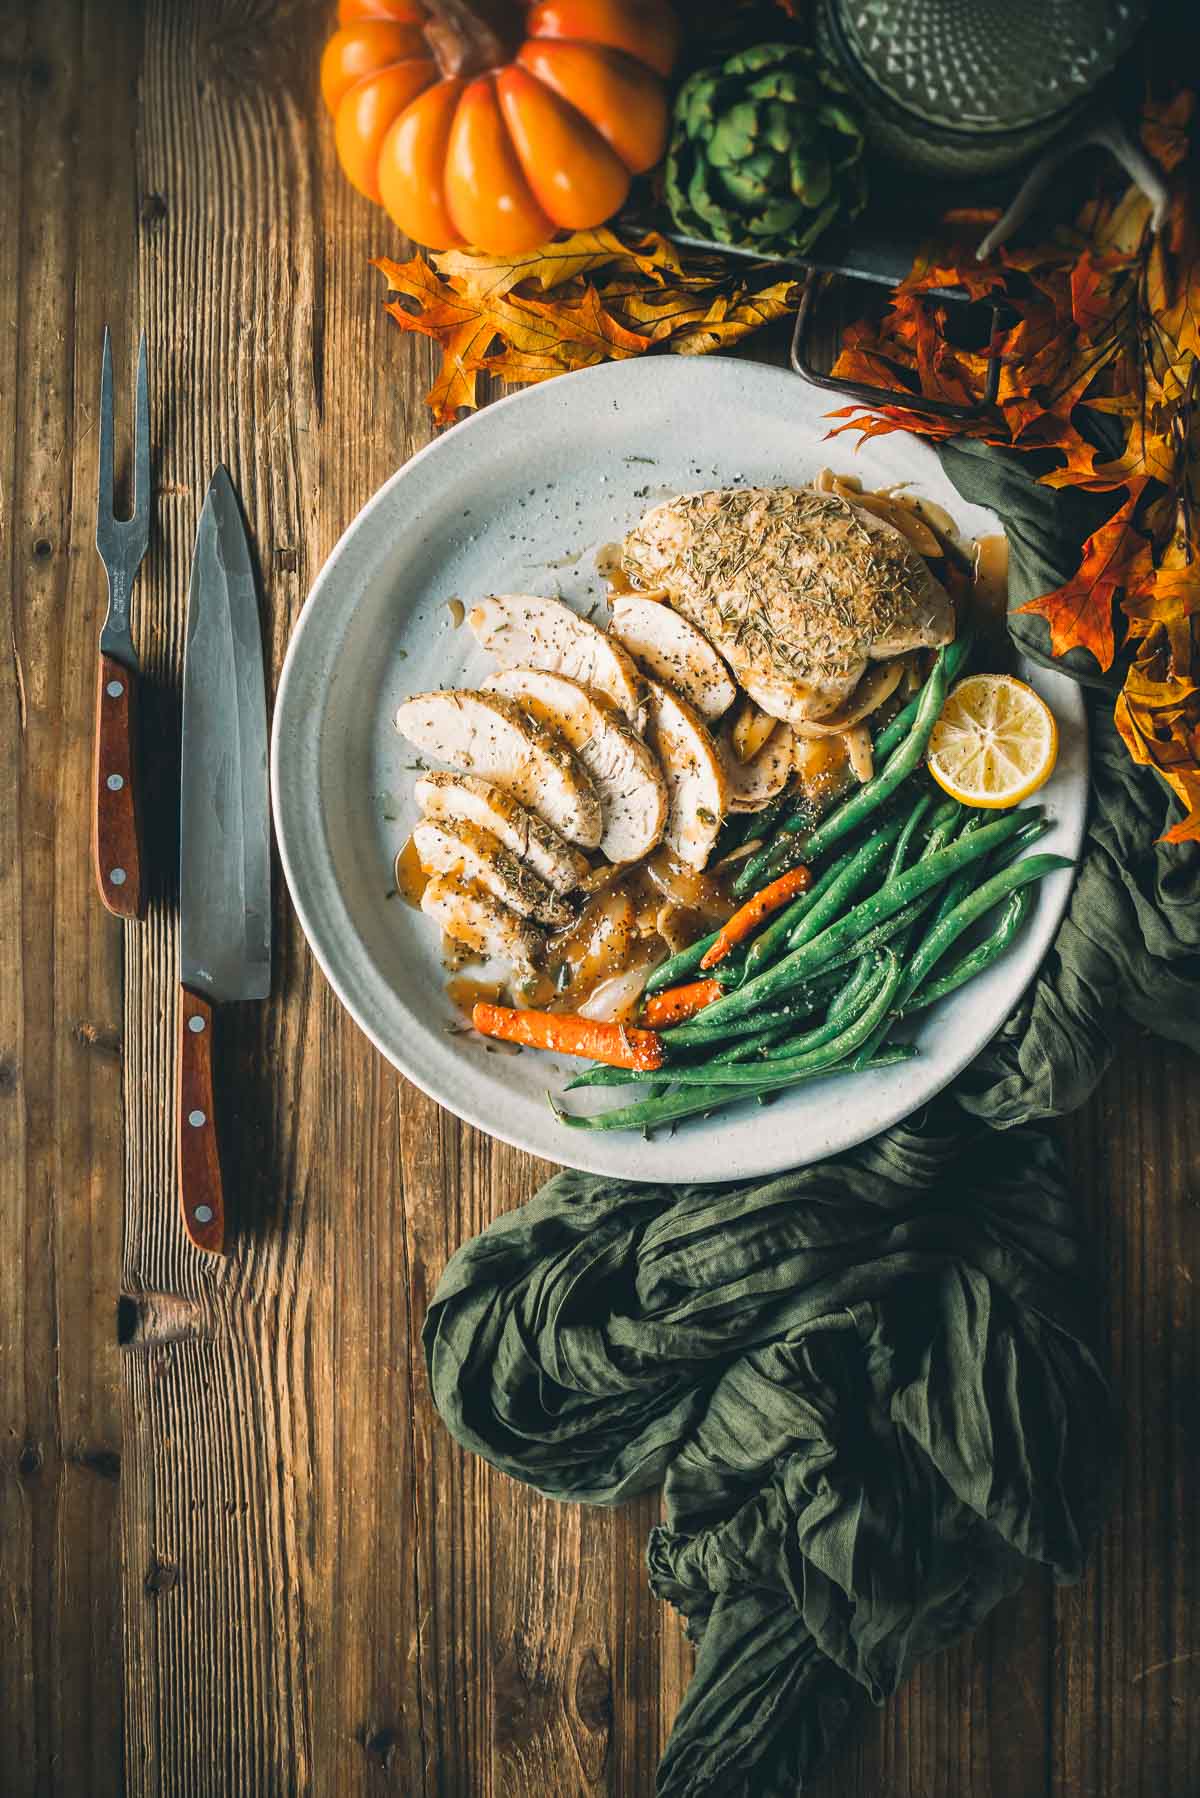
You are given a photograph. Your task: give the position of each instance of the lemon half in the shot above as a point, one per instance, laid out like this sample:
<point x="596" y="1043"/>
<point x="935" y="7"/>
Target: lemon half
<point x="995" y="742"/>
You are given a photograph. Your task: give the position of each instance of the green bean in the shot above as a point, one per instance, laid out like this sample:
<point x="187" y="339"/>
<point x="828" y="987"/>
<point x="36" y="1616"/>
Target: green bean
<point x="742" y="827"/>
<point x="945" y="821"/>
<point x="977" y="959"/>
<point x="852" y="811"/>
<point x="688" y="960"/>
<point x="903" y="731"/>
<point x="958" y="888"/>
<point x="694" y="1101"/>
<point x="951" y="927"/>
<point x="752" y="1043"/>
<point x="813" y="910"/>
<point x="729" y="972"/>
<point x="945" y="827"/>
<point x="670" y="973"/>
<point x="872" y="1046"/>
<point x="832" y="905"/>
<point x="800" y="963"/>
<point x="841" y="1005"/>
<point x="758" y="824"/>
<point x="809" y="998"/>
<point x="748" y="1034"/>
<point x="904" y="840"/>
<point x="763" y="948"/>
<point x="769" y="1037"/>
<point x="1024" y="839"/>
<point x="882" y="934"/>
<point x="840" y="891"/>
<point x="822" y="1048"/>
<point x="956" y="655"/>
<point x="833" y="1025"/>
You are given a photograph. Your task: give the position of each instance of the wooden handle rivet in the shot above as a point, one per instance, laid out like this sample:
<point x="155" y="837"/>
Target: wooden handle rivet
<point x="115" y="782"/>
<point x="203" y="1214"/>
<point x="114" y="689"/>
<point x="117" y="876"/>
<point x="196" y="1119"/>
<point x="195" y="1025"/>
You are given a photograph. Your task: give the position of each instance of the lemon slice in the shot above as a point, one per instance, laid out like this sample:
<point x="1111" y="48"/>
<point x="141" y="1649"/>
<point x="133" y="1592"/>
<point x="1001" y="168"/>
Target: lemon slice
<point x="995" y="742"/>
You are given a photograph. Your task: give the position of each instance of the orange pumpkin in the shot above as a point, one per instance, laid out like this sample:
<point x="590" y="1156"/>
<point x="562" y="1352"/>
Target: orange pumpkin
<point x="478" y="123"/>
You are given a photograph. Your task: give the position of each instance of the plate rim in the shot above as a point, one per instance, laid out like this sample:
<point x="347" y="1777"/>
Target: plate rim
<point x="581" y="1142"/>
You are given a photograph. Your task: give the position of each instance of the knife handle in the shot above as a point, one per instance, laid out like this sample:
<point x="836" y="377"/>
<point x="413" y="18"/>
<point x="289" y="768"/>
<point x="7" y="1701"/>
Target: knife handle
<point x="117" y="808"/>
<point x="201" y="1193"/>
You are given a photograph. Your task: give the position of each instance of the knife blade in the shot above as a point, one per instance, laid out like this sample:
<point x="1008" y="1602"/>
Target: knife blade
<point x="224" y="842"/>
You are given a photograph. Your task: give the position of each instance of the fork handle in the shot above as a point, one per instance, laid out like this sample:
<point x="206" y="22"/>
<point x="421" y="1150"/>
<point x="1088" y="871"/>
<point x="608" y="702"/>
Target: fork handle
<point x="117" y="808"/>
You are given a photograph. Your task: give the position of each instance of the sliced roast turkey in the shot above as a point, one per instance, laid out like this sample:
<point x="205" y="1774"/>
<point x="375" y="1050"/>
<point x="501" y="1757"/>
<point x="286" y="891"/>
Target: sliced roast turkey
<point x="667" y="646"/>
<point x="695" y="775"/>
<point x="524" y="631"/>
<point x="470" y="915"/>
<point x="626" y="776"/>
<point x="488" y="735"/>
<point x="446" y="797"/>
<point x="456" y="846"/>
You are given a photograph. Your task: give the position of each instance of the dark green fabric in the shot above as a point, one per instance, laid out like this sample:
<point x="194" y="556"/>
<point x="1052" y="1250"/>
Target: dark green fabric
<point x="869" y="1389"/>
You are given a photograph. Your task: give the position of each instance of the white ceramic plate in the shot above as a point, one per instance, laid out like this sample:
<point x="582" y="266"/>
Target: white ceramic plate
<point x="520" y="498"/>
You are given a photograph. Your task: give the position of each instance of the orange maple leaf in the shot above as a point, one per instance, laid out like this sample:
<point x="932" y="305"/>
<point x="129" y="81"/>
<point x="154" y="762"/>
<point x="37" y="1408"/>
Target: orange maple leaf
<point x="1116" y="560"/>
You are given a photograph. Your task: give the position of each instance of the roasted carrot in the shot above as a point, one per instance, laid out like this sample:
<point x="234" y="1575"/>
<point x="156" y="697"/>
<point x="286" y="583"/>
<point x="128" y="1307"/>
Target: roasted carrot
<point x="617" y="1045"/>
<point x="680" y="1002"/>
<point x="749" y="916"/>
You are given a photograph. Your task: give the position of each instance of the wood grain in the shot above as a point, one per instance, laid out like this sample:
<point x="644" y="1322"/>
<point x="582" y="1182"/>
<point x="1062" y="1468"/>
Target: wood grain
<point x="320" y="1593"/>
<point x="65" y="181"/>
<point x="117" y="850"/>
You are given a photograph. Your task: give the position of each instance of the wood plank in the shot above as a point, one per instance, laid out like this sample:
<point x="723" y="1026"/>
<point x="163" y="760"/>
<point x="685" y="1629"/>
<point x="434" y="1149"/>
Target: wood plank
<point x="1127" y="1660"/>
<point x="64" y="260"/>
<point x="228" y="1363"/>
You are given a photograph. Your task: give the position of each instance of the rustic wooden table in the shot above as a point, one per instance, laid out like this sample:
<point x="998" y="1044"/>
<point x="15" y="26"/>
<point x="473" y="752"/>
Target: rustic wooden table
<point x="238" y="1553"/>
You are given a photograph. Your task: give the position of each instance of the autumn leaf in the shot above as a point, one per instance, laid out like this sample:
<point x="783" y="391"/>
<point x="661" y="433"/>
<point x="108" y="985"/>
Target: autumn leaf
<point x="1164" y="129"/>
<point x="459" y="322"/>
<point x="1116" y="559"/>
<point x="1157" y="718"/>
<point x="554" y="264"/>
<point x="585" y="299"/>
<point x="552" y="338"/>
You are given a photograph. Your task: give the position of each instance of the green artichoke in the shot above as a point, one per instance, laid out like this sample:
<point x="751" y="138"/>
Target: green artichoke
<point x="764" y="154"/>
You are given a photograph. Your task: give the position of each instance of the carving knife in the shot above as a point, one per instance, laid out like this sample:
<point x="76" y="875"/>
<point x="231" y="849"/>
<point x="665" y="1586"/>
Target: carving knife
<point x="224" y="843"/>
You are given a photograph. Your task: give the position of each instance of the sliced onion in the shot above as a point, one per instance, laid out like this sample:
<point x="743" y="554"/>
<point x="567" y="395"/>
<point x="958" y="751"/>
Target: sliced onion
<point x="596" y="879"/>
<point x="846" y="486"/>
<point x="858" y="753"/>
<point x="688" y="887"/>
<point x="752" y="729"/>
<point x="737" y="855"/>
<point x="753" y="784"/>
<point x="902" y="518"/>
<point x="616" y="999"/>
<point x="876" y="685"/>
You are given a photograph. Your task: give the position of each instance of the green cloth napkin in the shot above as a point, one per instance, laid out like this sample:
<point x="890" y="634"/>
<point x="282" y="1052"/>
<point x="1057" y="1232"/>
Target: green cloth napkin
<point x="870" y="1388"/>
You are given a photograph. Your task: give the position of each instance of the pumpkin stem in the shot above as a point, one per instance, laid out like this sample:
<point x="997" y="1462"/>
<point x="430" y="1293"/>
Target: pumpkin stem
<point x="469" y="36"/>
